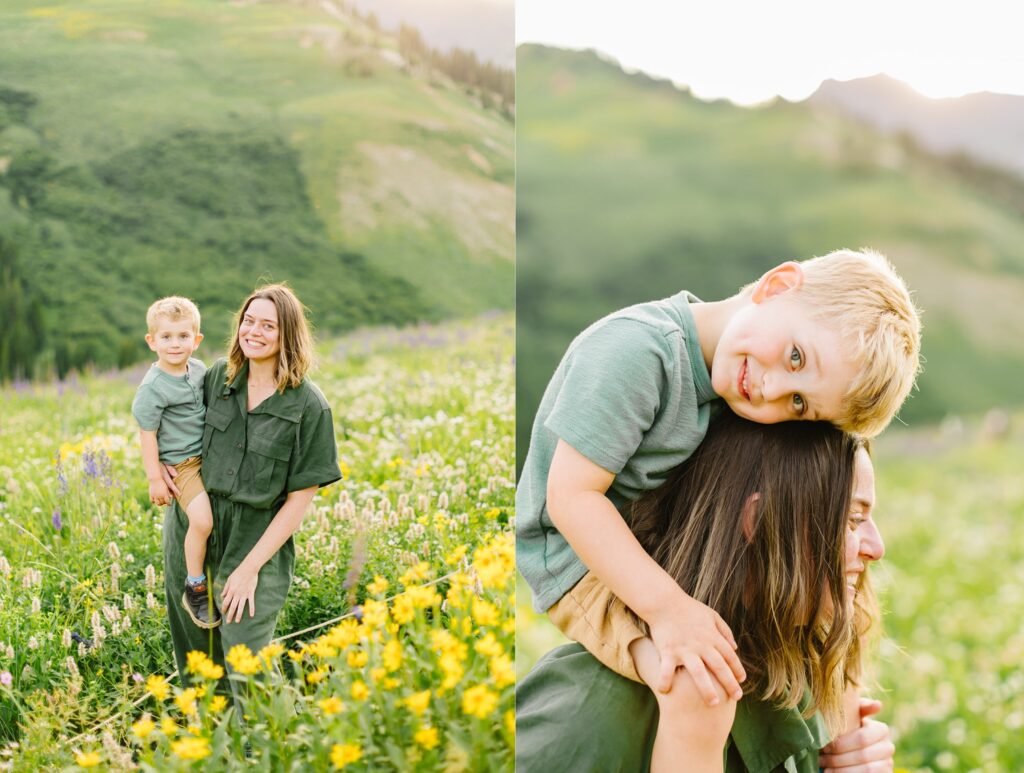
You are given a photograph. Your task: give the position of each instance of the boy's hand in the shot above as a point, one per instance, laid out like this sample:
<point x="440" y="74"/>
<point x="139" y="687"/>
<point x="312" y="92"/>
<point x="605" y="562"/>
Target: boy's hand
<point x="867" y="749"/>
<point x="159" y="494"/>
<point x="169" y="473"/>
<point x="693" y="636"/>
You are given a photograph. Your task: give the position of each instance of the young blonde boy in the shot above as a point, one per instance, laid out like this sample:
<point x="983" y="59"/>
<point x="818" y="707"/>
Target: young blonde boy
<point x="835" y="338"/>
<point x="169" y="409"/>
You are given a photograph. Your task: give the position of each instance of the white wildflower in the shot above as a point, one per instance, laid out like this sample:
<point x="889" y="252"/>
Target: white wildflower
<point x="150" y="577"/>
<point x="33" y="643"/>
<point x="72" y="667"/>
<point x="37" y="605"/>
<point x="65" y="638"/>
<point x="114" y="550"/>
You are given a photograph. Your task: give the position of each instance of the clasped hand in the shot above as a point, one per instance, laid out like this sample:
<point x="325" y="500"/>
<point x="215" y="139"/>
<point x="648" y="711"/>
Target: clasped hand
<point x="693" y="636"/>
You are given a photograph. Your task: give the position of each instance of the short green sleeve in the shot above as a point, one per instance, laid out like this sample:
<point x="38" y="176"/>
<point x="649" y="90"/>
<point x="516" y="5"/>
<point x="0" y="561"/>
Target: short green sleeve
<point x="613" y="387"/>
<point x="314" y="461"/>
<point x="148" y="407"/>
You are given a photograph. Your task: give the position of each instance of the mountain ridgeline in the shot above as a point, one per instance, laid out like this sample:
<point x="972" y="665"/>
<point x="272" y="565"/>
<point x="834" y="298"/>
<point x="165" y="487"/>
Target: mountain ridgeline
<point x="201" y="149"/>
<point x="630" y="189"/>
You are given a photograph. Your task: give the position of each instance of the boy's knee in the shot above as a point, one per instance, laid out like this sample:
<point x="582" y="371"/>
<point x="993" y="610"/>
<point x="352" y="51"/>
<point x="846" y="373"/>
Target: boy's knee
<point x="199" y="516"/>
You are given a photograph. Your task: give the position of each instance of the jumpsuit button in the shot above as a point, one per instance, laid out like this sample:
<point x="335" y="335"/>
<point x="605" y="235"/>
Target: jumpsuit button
<point x="231" y="472"/>
<point x="238" y="445"/>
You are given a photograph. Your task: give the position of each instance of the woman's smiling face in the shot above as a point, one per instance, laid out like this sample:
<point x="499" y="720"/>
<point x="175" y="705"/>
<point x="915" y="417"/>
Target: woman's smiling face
<point x="259" y="333"/>
<point x="863" y="540"/>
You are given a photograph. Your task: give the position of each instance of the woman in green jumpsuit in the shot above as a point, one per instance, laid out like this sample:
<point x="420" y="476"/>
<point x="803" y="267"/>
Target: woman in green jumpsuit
<point x="268" y="446"/>
<point x="765" y="524"/>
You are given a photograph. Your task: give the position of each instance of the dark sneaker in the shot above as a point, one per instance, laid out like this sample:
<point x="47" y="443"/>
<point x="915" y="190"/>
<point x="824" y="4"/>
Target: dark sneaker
<point x="197" y="604"/>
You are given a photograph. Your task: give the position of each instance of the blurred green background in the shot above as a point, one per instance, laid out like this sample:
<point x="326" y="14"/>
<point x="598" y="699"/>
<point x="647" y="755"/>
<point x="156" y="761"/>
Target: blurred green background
<point x="199" y="148"/>
<point x="629" y="189"/>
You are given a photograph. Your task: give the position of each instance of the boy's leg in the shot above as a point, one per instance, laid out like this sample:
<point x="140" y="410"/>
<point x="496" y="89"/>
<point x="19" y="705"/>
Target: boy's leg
<point x="200" y="524"/>
<point x="592" y="615"/>
<point x="185" y="635"/>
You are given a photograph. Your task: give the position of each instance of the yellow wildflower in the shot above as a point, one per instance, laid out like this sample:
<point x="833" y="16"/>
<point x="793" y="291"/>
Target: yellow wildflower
<point x="494" y="512"/>
<point x="392" y="655"/>
<point x="457" y="555"/>
<point x="451" y="664"/>
<point x="168" y="727"/>
<point x="194" y="661"/>
<point x="143" y="727"/>
<point x="503" y="671"/>
<point x="186" y="701"/>
<point x="417" y="573"/>
<point x="376" y="674"/>
<point x="378" y="586"/>
<point x="322" y="649"/>
<point x="331" y="705"/>
<point x="489" y="646"/>
<point x="359" y="690"/>
<point x="375" y="613"/>
<point x="191" y="748"/>
<point x="219" y="703"/>
<point x="210" y="670"/>
<point x="417" y="702"/>
<point x="158" y="687"/>
<point x="343" y="635"/>
<point x="484" y="612"/>
<point x="88" y="759"/>
<point x="479" y="701"/>
<point x="358" y="658"/>
<point x="426" y="737"/>
<point x="298" y="653"/>
<point x="510" y="721"/>
<point x="391" y="683"/>
<point x="402" y="609"/>
<point x="241" y="659"/>
<point x="423" y="596"/>
<point x="315" y="677"/>
<point x="271" y="651"/>
<point x="343" y="754"/>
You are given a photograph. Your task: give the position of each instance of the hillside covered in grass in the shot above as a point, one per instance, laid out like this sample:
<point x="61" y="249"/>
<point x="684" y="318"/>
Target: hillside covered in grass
<point x="196" y="147"/>
<point x="631" y="189"/>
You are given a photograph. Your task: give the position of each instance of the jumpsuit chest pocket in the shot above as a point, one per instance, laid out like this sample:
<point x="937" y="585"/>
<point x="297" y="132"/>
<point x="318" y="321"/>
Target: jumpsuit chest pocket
<point x="265" y="467"/>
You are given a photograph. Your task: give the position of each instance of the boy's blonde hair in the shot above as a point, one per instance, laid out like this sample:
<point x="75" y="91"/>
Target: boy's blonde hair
<point x="860" y="294"/>
<point x="172" y="308"/>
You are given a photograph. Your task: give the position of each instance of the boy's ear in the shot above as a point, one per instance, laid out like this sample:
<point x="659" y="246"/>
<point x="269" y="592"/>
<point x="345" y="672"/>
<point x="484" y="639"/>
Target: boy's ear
<point x="749" y="517"/>
<point x="788" y="276"/>
<point x="151" y="342"/>
<point x="198" y="339"/>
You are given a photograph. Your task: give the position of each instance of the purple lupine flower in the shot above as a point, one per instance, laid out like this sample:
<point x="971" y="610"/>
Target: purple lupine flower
<point x="58" y="524"/>
<point x="89" y="464"/>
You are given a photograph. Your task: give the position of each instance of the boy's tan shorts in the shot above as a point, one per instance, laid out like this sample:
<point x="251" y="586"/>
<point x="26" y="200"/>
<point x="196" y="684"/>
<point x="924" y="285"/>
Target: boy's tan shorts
<point x="595" y="617"/>
<point x="189" y="481"/>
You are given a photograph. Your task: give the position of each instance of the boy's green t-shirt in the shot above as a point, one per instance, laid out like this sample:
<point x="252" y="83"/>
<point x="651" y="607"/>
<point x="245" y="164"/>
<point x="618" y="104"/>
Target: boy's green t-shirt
<point x="173" y="406"/>
<point x="633" y="395"/>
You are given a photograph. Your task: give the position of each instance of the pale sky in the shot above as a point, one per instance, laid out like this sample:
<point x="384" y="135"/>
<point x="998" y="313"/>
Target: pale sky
<point x="751" y="51"/>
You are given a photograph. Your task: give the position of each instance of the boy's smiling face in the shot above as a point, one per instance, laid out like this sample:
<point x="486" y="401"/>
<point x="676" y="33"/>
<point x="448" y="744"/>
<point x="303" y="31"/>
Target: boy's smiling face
<point x="174" y="341"/>
<point x="774" y="362"/>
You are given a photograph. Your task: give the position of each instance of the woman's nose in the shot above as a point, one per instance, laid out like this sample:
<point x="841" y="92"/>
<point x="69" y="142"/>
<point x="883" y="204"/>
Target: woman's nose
<point x="872" y="547"/>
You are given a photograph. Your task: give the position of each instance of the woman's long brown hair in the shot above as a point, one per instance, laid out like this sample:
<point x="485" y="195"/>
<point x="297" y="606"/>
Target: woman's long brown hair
<point x="767" y="577"/>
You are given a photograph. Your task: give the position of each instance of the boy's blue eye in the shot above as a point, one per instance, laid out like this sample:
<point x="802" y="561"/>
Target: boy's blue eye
<point x="799" y="405"/>
<point x="795" y="358"/>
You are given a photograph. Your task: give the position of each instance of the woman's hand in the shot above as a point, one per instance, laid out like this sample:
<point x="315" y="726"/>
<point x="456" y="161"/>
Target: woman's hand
<point x="169" y="473"/>
<point x="867" y="749"/>
<point x="239" y="590"/>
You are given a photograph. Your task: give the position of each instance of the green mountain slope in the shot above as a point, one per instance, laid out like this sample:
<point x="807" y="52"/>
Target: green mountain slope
<point x="199" y="147"/>
<point x="630" y="189"/>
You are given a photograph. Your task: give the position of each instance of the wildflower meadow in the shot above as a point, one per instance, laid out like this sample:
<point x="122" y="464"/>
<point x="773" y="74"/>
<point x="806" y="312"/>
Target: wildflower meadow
<point x="395" y="650"/>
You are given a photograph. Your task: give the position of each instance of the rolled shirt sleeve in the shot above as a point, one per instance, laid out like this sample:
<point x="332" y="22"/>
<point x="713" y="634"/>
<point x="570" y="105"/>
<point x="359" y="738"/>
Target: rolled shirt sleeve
<point x="314" y="461"/>
<point x="148" y="407"/>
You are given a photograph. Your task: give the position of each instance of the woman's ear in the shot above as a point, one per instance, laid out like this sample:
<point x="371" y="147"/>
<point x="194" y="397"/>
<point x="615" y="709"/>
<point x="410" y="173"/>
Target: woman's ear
<point x="749" y="517"/>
